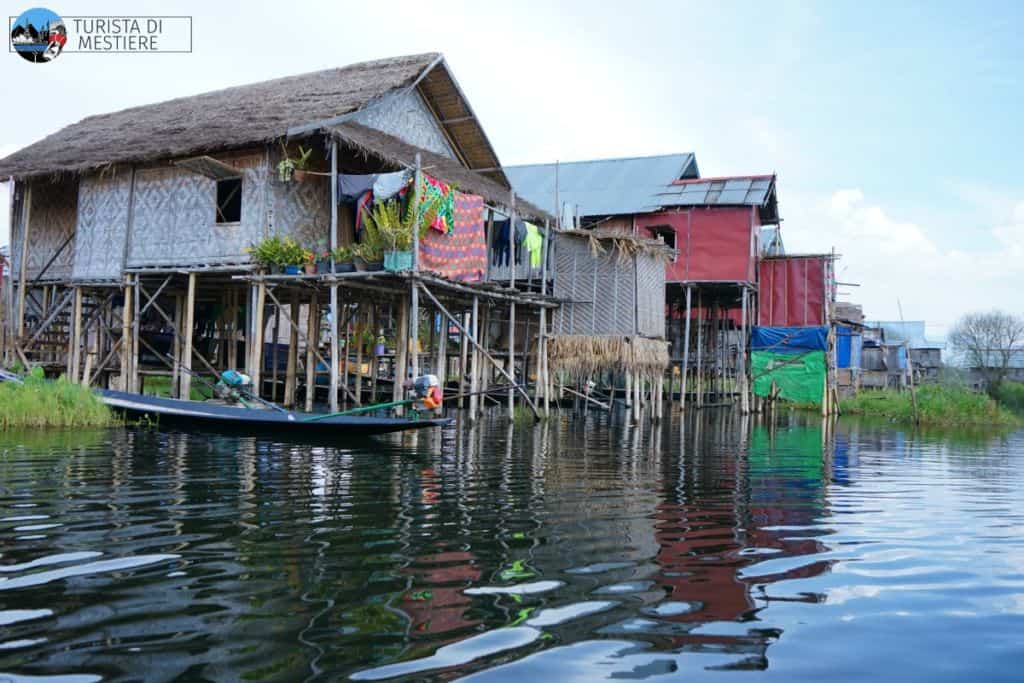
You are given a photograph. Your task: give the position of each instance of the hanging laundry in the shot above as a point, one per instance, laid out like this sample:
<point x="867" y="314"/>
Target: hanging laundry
<point x="351" y="187"/>
<point x="432" y="189"/>
<point x="362" y="206"/>
<point x="500" y="244"/>
<point x="534" y="244"/>
<point x="461" y="255"/>
<point x="387" y="185"/>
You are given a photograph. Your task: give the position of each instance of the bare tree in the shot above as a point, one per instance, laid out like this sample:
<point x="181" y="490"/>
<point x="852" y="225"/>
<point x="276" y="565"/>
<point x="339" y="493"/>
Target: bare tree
<point x="988" y="340"/>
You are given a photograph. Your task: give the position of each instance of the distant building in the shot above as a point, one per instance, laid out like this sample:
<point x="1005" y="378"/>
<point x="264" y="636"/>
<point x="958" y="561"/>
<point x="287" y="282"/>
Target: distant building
<point x="925" y="354"/>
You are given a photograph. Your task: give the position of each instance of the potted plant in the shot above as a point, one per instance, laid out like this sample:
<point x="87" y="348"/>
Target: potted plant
<point x="289" y="168"/>
<point x="310" y="262"/>
<point x="267" y="253"/>
<point x="381" y="345"/>
<point x="292" y="256"/>
<point x="388" y="232"/>
<point x="343" y="257"/>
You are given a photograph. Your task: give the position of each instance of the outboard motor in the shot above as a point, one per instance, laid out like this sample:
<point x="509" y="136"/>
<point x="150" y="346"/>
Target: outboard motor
<point x="229" y="385"/>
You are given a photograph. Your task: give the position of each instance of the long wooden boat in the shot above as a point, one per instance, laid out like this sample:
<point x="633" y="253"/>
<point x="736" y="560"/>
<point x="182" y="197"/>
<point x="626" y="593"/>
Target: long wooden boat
<point x="214" y="416"/>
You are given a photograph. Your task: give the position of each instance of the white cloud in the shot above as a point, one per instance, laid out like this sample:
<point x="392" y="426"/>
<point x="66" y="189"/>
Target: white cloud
<point x="896" y="259"/>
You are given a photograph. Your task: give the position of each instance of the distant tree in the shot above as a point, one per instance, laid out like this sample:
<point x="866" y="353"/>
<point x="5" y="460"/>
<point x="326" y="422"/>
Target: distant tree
<point x="988" y="340"/>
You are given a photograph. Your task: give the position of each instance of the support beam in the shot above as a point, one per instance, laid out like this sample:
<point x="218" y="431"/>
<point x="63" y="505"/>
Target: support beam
<point x="474" y="372"/>
<point x="179" y="312"/>
<point x="293" y="354"/>
<point x="333" y="392"/>
<point x="312" y="338"/>
<point x="189" y="323"/>
<point x="75" y="343"/>
<point x="257" y="339"/>
<point x="126" y="335"/>
<point x="26" y="215"/>
<point x="684" y="371"/>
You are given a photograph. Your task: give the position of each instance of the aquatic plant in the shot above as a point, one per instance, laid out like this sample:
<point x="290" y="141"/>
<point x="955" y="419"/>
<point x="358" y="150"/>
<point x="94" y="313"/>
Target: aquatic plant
<point x="43" y="403"/>
<point x="937" y="405"/>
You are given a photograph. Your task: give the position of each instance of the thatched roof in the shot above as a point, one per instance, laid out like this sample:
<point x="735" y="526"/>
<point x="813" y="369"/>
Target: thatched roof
<point x="255" y="113"/>
<point x="392" y="150"/>
<point x="606" y="239"/>
<point x="583" y="355"/>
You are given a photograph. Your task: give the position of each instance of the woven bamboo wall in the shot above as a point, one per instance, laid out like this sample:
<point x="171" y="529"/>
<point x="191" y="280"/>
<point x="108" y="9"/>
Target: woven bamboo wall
<point x="52" y="222"/>
<point x="606" y="294"/>
<point x="174" y="216"/>
<point x="102" y="225"/>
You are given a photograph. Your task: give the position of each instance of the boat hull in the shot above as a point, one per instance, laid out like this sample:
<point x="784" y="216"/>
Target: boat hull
<point x="197" y="415"/>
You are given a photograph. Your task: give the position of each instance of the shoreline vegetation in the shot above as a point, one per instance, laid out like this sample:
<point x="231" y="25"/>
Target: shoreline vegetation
<point x="43" y="403"/>
<point x="949" y="406"/>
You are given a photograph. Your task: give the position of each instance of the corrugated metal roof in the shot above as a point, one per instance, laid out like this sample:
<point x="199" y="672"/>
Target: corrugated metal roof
<point x="739" y="191"/>
<point x="909" y="331"/>
<point x="602" y="187"/>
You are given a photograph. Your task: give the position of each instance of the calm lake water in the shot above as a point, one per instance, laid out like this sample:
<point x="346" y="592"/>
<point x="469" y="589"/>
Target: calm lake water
<point x="711" y="549"/>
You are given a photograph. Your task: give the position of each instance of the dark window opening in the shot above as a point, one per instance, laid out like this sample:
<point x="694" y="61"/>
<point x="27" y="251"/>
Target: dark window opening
<point x="229" y="200"/>
<point x="667" y="235"/>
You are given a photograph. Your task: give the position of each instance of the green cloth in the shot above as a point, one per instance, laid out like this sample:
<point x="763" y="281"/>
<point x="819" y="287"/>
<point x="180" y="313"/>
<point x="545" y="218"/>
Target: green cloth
<point x="800" y="377"/>
<point x="534" y="244"/>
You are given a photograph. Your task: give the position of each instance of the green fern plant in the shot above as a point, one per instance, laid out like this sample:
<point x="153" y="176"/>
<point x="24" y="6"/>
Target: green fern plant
<point x="387" y="226"/>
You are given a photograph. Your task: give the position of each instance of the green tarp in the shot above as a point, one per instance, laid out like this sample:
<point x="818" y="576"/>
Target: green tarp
<point x="799" y="377"/>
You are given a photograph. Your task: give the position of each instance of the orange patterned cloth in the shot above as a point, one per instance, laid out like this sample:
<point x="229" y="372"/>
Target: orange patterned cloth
<point x="462" y="254"/>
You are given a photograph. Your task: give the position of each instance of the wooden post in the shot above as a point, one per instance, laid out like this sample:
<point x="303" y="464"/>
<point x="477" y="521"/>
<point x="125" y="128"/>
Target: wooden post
<point x="126" y="335"/>
<point x="375" y="368"/>
<point x="474" y="373"/>
<point x="464" y="359"/>
<point x="273" y="354"/>
<point x="186" y="361"/>
<point x="512" y="304"/>
<point x="75" y="353"/>
<point x="312" y="339"/>
<point x="414" y="316"/>
<point x="742" y="370"/>
<point x="232" y="359"/>
<point x="26" y="215"/>
<point x="684" y="371"/>
<point x="629" y="390"/>
<point x="257" y="337"/>
<point x="358" y="336"/>
<point x="293" y="353"/>
<point x="401" y="349"/>
<point x="700" y="351"/>
<point x="442" y="351"/>
<point x="179" y="305"/>
<point x="485" y="372"/>
<point x="334" y="283"/>
<point x="136" y="334"/>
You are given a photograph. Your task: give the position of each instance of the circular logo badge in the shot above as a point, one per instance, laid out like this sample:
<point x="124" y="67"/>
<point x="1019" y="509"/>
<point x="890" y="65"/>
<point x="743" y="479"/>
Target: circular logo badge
<point x="39" y="35"/>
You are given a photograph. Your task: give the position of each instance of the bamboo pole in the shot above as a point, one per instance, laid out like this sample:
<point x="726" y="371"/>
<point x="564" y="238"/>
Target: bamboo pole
<point x="186" y="361"/>
<point x="232" y="359"/>
<point x="700" y="351"/>
<point x="333" y="397"/>
<point x="273" y="354"/>
<point x="463" y="359"/>
<point x="401" y="349"/>
<point x="293" y="354"/>
<point x="375" y="368"/>
<point x="358" y="337"/>
<point x="509" y="376"/>
<point x="484" y="333"/>
<point x="744" y="345"/>
<point x="312" y="338"/>
<point x="414" y="295"/>
<point x="257" y="340"/>
<point x="179" y="305"/>
<point x="126" y="335"/>
<point x="684" y="371"/>
<point x="136" y="333"/>
<point x="474" y="373"/>
<point x="26" y="215"/>
<point x="442" y="352"/>
<point x="512" y="306"/>
<point x="74" y="345"/>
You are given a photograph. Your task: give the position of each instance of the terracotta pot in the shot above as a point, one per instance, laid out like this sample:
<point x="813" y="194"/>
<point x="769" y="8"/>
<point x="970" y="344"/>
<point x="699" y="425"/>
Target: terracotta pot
<point x="310" y="269"/>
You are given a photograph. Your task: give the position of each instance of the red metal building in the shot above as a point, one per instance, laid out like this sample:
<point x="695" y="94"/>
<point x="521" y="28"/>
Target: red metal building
<point x="796" y="290"/>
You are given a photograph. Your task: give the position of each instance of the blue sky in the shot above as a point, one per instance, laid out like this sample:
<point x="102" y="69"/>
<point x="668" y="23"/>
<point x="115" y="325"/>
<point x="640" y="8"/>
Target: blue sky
<point x="893" y="126"/>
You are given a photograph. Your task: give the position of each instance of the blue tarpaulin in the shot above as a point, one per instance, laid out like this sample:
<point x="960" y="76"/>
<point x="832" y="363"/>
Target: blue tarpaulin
<point x="848" y="347"/>
<point x="788" y="339"/>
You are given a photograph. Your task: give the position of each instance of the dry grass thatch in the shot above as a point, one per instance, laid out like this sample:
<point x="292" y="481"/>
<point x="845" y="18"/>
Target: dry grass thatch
<point x="400" y="153"/>
<point x="585" y="355"/>
<point x="625" y="244"/>
<point x="214" y="121"/>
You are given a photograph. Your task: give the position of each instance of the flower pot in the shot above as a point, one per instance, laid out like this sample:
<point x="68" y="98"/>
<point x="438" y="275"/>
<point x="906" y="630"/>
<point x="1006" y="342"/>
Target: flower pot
<point x="293" y="270"/>
<point x="323" y="266"/>
<point x="363" y="264"/>
<point x="346" y="267"/>
<point x="397" y="260"/>
<point x="379" y="350"/>
<point x="273" y="268"/>
<point x="310" y="268"/>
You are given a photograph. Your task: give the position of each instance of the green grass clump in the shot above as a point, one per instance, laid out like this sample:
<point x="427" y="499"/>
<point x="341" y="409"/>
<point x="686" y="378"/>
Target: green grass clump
<point x="1011" y="395"/>
<point x="42" y="403"/>
<point x="161" y="386"/>
<point x="937" y="405"/>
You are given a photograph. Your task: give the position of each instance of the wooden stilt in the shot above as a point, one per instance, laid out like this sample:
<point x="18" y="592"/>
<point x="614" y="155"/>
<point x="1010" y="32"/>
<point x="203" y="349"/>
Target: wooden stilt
<point x="312" y="339"/>
<point x="335" y="358"/>
<point x="126" y="335"/>
<point x="743" y="346"/>
<point x="75" y="346"/>
<point x="485" y="371"/>
<point x="401" y="350"/>
<point x="179" y="306"/>
<point x="463" y="360"/>
<point x="136" y="334"/>
<point x="375" y="367"/>
<point x="512" y="357"/>
<point x="685" y="370"/>
<point x="358" y="337"/>
<point x="442" y="351"/>
<point x="189" y="324"/>
<point x="700" y="352"/>
<point x="474" y="372"/>
<point x="293" y="353"/>
<point x="26" y="215"/>
<point x="232" y="357"/>
<point x="273" y="354"/>
<point x="259" y="325"/>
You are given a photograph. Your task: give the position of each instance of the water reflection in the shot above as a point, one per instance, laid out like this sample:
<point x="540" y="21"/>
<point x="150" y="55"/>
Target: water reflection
<point x="581" y="547"/>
